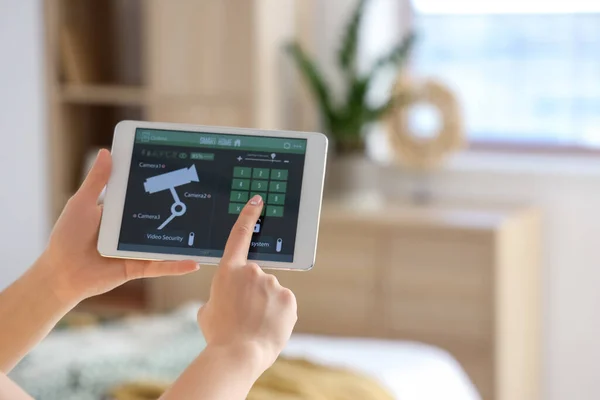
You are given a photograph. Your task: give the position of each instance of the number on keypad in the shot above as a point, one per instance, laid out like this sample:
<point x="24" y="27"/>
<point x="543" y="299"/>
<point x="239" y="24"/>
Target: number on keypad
<point x="261" y="173"/>
<point x="238" y="197"/>
<point x="276" y="198"/>
<point x="242" y="172"/>
<point x="260" y="185"/>
<point x="275" y="186"/>
<point x="279" y="174"/>
<point x="274" y="211"/>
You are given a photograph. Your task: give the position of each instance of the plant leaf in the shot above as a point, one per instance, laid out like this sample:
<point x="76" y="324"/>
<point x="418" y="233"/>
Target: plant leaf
<point x="397" y="56"/>
<point x="356" y="106"/>
<point x="315" y="81"/>
<point x="347" y="52"/>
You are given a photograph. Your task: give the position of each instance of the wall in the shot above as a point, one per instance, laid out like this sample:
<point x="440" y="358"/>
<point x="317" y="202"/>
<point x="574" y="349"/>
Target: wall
<point x="23" y="216"/>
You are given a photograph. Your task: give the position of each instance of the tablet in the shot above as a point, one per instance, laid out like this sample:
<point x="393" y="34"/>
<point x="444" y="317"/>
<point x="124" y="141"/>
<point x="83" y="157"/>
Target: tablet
<point x="176" y="190"/>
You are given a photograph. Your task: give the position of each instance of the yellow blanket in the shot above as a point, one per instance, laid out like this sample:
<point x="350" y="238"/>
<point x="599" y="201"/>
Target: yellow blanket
<point x="302" y="380"/>
<point x="287" y="379"/>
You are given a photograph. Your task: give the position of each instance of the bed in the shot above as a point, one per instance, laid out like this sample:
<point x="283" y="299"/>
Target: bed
<point x="84" y="363"/>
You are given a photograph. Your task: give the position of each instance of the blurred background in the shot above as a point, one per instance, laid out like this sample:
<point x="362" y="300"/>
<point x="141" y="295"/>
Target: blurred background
<point x="461" y="195"/>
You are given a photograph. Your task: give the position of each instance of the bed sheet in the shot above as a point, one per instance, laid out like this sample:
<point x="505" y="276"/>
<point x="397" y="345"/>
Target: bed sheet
<point x="411" y="371"/>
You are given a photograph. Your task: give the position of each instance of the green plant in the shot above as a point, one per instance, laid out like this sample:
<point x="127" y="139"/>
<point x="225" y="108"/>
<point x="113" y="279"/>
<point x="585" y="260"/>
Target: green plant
<point x="345" y="120"/>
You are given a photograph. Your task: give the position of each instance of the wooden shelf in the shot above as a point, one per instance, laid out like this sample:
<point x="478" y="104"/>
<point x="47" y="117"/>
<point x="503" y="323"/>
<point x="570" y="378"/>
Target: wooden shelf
<point x="104" y="94"/>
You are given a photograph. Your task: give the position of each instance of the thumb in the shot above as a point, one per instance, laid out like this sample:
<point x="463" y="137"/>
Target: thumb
<point x="97" y="178"/>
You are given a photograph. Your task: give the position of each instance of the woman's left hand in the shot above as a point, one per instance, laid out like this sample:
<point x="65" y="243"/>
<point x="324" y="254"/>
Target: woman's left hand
<point x="71" y="262"/>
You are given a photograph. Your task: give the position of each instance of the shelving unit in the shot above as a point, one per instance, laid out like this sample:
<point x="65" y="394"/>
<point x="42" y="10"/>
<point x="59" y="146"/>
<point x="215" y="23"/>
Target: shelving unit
<point x="120" y="95"/>
<point x="210" y="62"/>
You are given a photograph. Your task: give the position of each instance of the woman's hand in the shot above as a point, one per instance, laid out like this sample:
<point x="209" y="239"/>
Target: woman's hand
<point x="248" y="310"/>
<point x="71" y="261"/>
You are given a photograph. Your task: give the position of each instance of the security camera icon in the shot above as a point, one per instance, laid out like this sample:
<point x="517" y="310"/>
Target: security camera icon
<point x="169" y="181"/>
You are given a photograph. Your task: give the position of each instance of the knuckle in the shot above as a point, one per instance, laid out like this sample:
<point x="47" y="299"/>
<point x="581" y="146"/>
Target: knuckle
<point x="243" y="229"/>
<point x="272" y="281"/>
<point x="250" y="211"/>
<point x="288" y="297"/>
<point x="254" y="270"/>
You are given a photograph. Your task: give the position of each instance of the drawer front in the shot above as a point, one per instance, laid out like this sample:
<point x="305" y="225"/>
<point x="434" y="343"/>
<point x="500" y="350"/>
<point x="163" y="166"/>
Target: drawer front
<point x="481" y="373"/>
<point x="459" y="267"/>
<point x="333" y="310"/>
<point x="440" y="286"/>
<point x="343" y="258"/>
<point x="338" y="295"/>
<point x="445" y="316"/>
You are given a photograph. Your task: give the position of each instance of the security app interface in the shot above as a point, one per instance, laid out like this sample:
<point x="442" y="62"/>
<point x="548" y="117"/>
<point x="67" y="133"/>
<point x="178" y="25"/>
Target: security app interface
<point x="186" y="189"/>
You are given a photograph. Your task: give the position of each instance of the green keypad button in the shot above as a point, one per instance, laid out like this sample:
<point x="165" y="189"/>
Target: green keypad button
<point x="275" y="186"/>
<point x="241" y="184"/>
<point x="239" y="196"/>
<point x="235" y="208"/>
<point x="263" y="196"/>
<point x="242" y="172"/>
<point x="260" y="185"/>
<point x="274" y="211"/>
<point x="279" y="174"/>
<point x="260" y="173"/>
<point x="276" y="198"/>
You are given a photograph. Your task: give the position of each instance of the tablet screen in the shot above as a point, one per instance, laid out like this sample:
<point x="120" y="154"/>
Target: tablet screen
<point x="186" y="189"/>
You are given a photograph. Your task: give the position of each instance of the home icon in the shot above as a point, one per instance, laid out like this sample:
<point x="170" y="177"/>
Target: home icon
<point x="237" y="143"/>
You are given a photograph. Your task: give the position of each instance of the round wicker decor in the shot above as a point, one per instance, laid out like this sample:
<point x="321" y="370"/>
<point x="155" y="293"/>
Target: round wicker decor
<point x="410" y="148"/>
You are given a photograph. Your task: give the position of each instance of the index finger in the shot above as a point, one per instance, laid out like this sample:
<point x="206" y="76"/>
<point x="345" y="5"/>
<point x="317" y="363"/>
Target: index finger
<point x="238" y="244"/>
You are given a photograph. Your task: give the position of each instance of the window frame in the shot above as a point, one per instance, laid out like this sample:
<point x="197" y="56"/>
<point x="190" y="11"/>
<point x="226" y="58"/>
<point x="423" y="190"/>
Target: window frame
<point x="544" y="145"/>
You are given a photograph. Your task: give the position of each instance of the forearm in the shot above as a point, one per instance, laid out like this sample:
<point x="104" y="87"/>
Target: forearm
<point x="29" y="309"/>
<point x="219" y="373"/>
<point x="9" y="390"/>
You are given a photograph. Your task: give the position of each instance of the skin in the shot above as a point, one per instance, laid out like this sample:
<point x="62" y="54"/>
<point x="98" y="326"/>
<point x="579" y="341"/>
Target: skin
<point x="246" y="322"/>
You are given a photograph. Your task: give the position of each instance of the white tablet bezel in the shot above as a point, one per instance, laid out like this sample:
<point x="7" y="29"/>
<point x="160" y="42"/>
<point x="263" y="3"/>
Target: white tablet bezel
<point x="310" y="198"/>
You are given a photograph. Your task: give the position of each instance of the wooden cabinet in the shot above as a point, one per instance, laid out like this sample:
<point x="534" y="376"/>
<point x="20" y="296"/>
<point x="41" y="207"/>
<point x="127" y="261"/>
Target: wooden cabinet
<point x="466" y="280"/>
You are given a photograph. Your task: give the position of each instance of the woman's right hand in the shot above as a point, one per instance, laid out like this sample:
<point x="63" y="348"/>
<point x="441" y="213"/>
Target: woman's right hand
<point x="248" y="311"/>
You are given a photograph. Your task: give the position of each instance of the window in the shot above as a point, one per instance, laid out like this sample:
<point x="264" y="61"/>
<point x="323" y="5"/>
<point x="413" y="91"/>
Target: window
<point x="525" y="71"/>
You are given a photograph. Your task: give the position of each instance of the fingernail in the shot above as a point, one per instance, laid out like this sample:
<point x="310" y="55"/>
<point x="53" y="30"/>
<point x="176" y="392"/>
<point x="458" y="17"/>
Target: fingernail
<point x="256" y="200"/>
